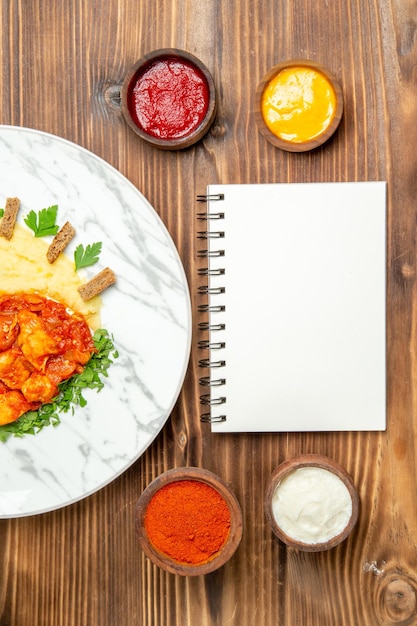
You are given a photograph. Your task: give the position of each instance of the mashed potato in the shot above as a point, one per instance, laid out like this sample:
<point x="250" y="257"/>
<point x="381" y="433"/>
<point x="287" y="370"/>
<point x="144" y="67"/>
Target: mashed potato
<point x="24" y="268"/>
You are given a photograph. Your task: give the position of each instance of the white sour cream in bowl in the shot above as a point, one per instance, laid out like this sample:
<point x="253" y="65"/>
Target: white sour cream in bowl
<point x="311" y="503"/>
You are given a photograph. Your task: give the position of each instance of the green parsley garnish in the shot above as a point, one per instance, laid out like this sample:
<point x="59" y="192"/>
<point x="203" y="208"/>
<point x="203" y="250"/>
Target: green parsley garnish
<point x="44" y="222"/>
<point x="1" y="212"/>
<point x="83" y="257"/>
<point x="70" y="391"/>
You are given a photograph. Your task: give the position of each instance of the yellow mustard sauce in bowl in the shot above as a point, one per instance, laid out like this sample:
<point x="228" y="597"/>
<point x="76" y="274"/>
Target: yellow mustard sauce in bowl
<point x="299" y="105"/>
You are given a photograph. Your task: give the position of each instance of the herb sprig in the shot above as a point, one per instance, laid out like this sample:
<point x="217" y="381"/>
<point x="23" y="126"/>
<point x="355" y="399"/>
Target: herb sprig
<point x="44" y="222"/>
<point x="83" y="257"/>
<point x="70" y="391"/>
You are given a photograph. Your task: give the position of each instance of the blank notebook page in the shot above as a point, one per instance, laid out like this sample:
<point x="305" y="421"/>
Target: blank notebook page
<point x="304" y="298"/>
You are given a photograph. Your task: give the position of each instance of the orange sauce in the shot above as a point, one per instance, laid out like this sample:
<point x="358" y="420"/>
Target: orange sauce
<point x="298" y="104"/>
<point x="41" y="344"/>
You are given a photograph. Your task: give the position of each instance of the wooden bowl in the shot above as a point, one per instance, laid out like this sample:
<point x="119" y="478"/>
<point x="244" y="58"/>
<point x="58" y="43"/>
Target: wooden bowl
<point x="180" y="567"/>
<point x="197" y="130"/>
<point x="287" y="469"/>
<point x="318" y="140"/>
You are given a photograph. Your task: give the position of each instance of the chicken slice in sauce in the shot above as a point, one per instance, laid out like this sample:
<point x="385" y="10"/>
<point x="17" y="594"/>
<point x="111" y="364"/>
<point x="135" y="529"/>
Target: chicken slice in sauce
<point x="39" y="388"/>
<point x="12" y="406"/>
<point x="15" y="369"/>
<point x="35" y="342"/>
<point x="9" y="330"/>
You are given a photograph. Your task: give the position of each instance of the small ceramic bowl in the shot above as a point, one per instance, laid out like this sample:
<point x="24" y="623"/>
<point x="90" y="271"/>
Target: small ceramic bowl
<point x="313" y="118"/>
<point x="176" y="478"/>
<point x="168" y="98"/>
<point x="311" y="503"/>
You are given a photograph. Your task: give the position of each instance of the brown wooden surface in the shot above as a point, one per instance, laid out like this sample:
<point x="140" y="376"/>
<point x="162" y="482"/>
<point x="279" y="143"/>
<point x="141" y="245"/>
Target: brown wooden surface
<point x="62" y="63"/>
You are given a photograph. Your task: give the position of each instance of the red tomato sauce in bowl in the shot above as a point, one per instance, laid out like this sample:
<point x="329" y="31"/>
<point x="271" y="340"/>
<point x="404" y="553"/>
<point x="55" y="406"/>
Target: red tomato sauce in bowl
<point x="168" y="99"/>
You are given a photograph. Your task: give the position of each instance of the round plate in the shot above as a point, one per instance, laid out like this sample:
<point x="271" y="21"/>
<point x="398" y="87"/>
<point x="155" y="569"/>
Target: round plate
<point x="147" y="312"/>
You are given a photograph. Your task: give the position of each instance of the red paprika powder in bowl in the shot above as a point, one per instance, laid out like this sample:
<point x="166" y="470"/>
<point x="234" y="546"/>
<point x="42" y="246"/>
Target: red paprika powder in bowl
<point x="168" y="99"/>
<point x="188" y="522"/>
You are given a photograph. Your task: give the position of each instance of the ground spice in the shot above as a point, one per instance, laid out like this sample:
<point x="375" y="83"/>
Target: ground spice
<point x="188" y="520"/>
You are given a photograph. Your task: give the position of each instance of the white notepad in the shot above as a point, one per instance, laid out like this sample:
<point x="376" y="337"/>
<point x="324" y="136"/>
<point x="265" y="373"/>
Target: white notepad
<point x="297" y="299"/>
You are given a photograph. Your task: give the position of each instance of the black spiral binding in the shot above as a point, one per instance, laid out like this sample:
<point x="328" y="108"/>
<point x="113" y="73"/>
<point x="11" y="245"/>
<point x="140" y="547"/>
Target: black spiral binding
<point x="211" y="363"/>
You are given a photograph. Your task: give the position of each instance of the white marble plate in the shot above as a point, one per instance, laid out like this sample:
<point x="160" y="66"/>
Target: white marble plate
<point x="147" y="311"/>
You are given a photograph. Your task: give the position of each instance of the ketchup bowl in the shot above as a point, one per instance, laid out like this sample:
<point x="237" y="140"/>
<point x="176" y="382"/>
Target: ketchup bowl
<point x="168" y="99"/>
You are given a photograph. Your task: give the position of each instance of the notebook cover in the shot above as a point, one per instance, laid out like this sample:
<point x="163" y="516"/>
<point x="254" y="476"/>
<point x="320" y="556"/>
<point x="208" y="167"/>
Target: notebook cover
<point x="304" y="296"/>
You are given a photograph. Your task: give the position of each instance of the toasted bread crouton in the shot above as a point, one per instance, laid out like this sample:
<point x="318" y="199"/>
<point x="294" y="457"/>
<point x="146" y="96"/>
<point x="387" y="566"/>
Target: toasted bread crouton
<point x="96" y="285"/>
<point x="8" y="221"/>
<point x="60" y="242"/>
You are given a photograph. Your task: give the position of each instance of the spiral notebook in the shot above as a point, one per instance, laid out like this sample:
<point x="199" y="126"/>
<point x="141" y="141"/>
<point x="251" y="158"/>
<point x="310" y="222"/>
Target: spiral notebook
<point x="294" y="338"/>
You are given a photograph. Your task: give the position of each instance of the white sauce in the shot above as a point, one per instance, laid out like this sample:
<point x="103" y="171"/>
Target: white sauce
<point x="312" y="505"/>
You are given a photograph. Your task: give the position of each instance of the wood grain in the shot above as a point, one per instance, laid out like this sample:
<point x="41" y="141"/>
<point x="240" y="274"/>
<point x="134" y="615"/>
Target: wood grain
<point x="62" y="64"/>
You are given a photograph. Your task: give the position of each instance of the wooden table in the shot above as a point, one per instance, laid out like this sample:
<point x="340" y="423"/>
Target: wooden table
<point x="62" y="64"/>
